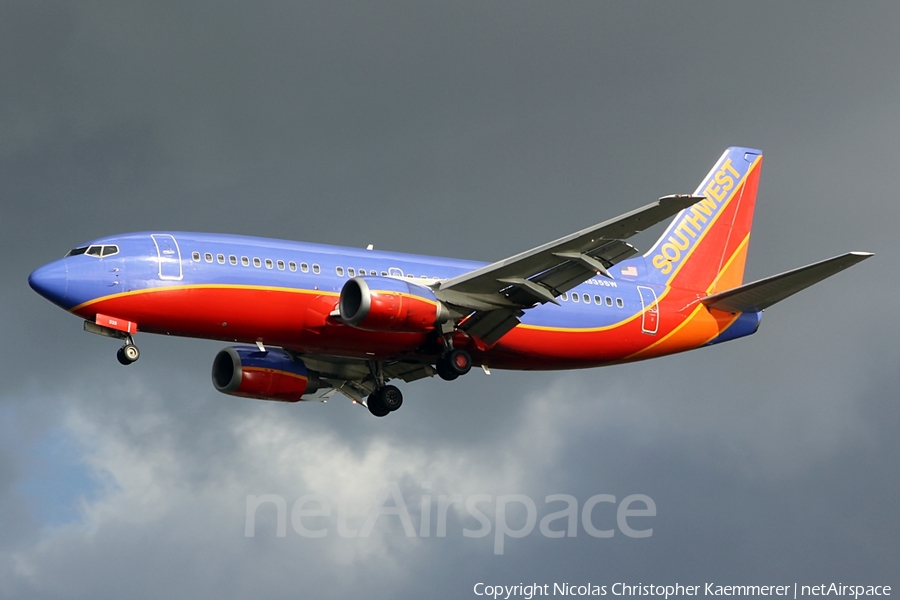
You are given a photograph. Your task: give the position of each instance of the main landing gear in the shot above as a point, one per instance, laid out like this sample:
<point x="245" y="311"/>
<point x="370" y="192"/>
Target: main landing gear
<point x="384" y="400"/>
<point x="453" y="364"/>
<point x="128" y="353"/>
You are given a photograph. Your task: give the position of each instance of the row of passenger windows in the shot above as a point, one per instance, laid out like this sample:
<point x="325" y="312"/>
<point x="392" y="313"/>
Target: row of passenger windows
<point x="245" y="261"/>
<point x="353" y="272"/>
<point x="586" y="298"/>
<point x="291" y="265"/>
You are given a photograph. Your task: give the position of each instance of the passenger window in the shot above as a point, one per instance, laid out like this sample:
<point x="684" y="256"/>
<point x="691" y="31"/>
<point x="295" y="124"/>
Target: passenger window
<point x="598" y="300"/>
<point x="339" y="271"/>
<point x="586" y="298"/>
<point x="245" y="261"/>
<point x="94" y="250"/>
<point x="293" y="266"/>
<point x="110" y="250"/>
<point x="280" y="264"/>
<point x="256" y="262"/>
<point x="303" y="267"/>
<point x="208" y="257"/>
<point x="351" y="271"/>
<point x="195" y="256"/>
<point x="620" y="303"/>
<point x="423" y="277"/>
<point x="384" y="273"/>
<point x="608" y="301"/>
<point x="316" y="269"/>
<point x="575" y="297"/>
<point x="269" y="263"/>
<point x="564" y="296"/>
<point x="220" y="258"/>
<point x="410" y="275"/>
<point x="232" y="259"/>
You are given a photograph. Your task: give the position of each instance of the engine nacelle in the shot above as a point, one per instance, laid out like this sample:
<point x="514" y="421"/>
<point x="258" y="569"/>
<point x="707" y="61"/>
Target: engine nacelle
<point x="271" y="375"/>
<point x="389" y="304"/>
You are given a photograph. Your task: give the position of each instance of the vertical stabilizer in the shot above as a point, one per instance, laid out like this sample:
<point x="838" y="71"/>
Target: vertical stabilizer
<point x="705" y="246"/>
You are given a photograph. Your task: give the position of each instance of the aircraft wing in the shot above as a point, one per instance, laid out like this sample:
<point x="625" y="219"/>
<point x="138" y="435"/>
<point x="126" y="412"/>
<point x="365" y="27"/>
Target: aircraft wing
<point x="762" y="294"/>
<point x="496" y="295"/>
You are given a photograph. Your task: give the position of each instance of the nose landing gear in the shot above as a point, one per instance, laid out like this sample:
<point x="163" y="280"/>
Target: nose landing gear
<point x="128" y="353"/>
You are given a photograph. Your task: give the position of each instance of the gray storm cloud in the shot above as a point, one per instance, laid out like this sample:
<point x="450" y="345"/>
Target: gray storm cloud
<point x="471" y="130"/>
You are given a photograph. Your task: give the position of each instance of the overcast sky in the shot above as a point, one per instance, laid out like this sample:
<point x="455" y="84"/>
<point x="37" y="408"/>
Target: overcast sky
<point x="473" y="130"/>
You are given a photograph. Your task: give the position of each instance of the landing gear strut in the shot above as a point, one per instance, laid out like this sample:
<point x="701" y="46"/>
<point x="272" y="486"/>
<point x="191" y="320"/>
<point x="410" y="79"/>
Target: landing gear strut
<point x="453" y="364"/>
<point x="384" y="400"/>
<point x="128" y="353"/>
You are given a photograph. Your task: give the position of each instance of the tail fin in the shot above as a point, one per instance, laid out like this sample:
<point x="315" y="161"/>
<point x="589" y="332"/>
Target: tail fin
<point x="705" y="247"/>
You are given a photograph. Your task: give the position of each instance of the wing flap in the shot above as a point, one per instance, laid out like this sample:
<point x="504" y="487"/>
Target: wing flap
<point x="489" y="326"/>
<point x="759" y="295"/>
<point x="579" y="267"/>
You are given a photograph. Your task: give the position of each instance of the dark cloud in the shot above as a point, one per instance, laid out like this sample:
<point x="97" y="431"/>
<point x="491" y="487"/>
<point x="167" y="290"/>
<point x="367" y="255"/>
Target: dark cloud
<point x="467" y="129"/>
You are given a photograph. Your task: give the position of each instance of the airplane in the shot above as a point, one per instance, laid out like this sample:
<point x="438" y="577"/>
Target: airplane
<point x="319" y="319"/>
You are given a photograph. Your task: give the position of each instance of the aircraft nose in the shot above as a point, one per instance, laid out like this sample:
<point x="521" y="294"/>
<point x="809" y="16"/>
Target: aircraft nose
<point x="51" y="281"/>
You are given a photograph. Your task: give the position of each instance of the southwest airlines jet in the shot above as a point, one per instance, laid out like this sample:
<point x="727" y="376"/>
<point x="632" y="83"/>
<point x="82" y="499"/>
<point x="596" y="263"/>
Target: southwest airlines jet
<point x="316" y="319"/>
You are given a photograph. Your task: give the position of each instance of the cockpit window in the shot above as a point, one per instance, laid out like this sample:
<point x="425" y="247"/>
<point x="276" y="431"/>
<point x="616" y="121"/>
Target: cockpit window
<point x="98" y="251"/>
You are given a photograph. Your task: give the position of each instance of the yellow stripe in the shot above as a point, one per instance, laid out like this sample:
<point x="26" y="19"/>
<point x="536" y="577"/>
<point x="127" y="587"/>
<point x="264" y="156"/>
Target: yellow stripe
<point x="204" y="286"/>
<point x="214" y="286"/>
<point x="713" y="221"/>
<point x="668" y="335"/>
<point x="697" y="309"/>
<point x="405" y="295"/>
<point x="593" y="329"/>
<point x="728" y="263"/>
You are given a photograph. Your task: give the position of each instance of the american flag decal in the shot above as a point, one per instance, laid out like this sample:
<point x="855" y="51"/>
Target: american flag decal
<point x="629" y="271"/>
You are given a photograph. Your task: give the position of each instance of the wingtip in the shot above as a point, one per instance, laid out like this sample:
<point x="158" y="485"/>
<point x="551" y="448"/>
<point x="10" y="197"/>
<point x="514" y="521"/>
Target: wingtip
<point x="681" y="200"/>
<point x="681" y="197"/>
<point x="862" y="254"/>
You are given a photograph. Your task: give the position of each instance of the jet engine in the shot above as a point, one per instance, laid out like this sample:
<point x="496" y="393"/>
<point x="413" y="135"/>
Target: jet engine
<point x="271" y="375"/>
<point x="389" y="304"/>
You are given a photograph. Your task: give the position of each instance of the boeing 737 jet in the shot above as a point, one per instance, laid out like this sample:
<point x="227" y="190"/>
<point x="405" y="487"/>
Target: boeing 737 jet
<point x="315" y="320"/>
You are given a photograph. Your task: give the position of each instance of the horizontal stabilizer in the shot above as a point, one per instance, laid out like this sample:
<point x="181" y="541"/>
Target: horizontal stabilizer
<point x="759" y="295"/>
